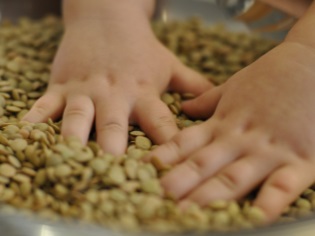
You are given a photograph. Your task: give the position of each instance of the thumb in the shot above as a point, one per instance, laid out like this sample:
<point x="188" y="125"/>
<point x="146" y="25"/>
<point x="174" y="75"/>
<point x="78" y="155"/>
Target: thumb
<point x="186" y="80"/>
<point x="204" y="105"/>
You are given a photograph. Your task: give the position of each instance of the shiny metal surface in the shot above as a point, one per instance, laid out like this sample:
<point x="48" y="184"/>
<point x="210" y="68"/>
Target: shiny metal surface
<point x="12" y="224"/>
<point x="208" y="10"/>
<point x="13" y="9"/>
<point x="19" y="225"/>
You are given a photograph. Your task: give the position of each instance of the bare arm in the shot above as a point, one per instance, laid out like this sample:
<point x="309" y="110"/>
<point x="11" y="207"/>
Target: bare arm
<point x="75" y="9"/>
<point x="293" y="7"/>
<point x="303" y="32"/>
<point x="136" y="12"/>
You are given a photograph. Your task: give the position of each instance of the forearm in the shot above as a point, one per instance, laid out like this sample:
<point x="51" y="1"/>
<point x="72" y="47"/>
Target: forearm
<point x="303" y="31"/>
<point x="296" y="8"/>
<point x="75" y="11"/>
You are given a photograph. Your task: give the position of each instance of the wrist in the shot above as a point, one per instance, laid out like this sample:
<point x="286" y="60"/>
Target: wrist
<point x="303" y="31"/>
<point x="77" y="11"/>
<point x="294" y="55"/>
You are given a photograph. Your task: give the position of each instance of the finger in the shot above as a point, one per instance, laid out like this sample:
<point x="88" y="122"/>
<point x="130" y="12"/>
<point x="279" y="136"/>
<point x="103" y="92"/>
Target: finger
<point x="204" y="105"/>
<point x="188" y="80"/>
<point x="200" y="166"/>
<point x="78" y="117"/>
<point x="282" y="188"/>
<point x="182" y="145"/>
<point x="156" y="120"/>
<point x="233" y="182"/>
<point x="112" y="125"/>
<point x="50" y="105"/>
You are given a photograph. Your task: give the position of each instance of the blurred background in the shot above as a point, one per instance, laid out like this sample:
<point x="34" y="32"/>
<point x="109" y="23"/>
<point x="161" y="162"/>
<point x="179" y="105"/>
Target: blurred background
<point x="271" y="23"/>
<point x="14" y="9"/>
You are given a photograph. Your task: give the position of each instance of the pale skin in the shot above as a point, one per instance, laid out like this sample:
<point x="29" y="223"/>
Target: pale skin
<point x="110" y="69"/>
<point x="260" y="132"/>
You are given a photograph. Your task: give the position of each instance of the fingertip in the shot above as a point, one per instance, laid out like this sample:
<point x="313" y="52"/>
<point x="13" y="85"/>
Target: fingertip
<point x="112" y="140"/>
<point x="78" y="117"/>
<point x="186" y="79"/>
<point x="272" y="204"/>
<point x="112" y="127"/>
<point x="156" y="119"/>
<point x="30" y="117"/>
<point x="160" y="156"/>
<point x="155" y="161"/>
<point x="281" y="189"/>
<point x="115" y="150"/>
<point x="271" y="214"/>
<point x="50" y="105"/>
<point x="173" y="182"/>
<point x="188" y="105"/>
<point x="159" y="165"/>
<point x="72" y="132"/>
<point x="257" y="216"/>
<point x="204" y="105"/>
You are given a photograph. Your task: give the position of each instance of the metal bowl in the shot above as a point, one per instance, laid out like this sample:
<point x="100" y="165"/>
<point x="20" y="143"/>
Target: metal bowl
<point x="13" y="9"/>
<point x="13" y="224"/>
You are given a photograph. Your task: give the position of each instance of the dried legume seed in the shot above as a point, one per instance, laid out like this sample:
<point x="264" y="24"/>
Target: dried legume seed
<point x="18" y="144"/>
<point x="7" y="170"/>
<point x="143" y="143"/>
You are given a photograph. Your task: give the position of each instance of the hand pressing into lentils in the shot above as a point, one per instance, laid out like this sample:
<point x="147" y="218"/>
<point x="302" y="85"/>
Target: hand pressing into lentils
<point x="260" y="134"/>
<point x="111" y="69"/>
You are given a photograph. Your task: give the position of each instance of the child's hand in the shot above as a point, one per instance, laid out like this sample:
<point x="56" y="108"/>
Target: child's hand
<point x="113" y="72"/>
<point x="262" y="132"/>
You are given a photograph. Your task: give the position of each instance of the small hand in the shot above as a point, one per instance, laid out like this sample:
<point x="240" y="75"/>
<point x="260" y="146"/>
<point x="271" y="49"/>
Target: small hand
<point x="261" y="133"/>
<point x="112" y="74"/>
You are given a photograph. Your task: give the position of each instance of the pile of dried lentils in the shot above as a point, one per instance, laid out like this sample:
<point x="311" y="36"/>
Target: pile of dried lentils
<point x="58" y="178"/>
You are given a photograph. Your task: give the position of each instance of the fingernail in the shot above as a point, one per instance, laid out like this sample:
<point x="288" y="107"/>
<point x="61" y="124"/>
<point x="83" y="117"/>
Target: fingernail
<point x="158" y="164"/>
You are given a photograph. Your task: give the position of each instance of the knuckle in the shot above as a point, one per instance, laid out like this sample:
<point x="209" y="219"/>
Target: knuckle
<point x="143" y="82"/>
<point x="75" y="111"/>
<point x="195" y="167"/>
<point x="163" y="121"/>
<point x="172" y="149"/>
<point x="201" y="163"/>
<point x="110" y="127"/>
<point x="177" y="140"/>
<point x="111" y="80"/>
<point x="42" y="107"/>
<point x="285" y="185"/>
<point x="174" y="146"/>
<point x="81" y="107"/>
<point x="78" y="112"/>
<point x="229" y="180"/>
<point x="180" y="140"/>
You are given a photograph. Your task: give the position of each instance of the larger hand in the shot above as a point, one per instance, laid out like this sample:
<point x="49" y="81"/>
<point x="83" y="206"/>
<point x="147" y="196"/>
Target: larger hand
<point x="261" y="132"/>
